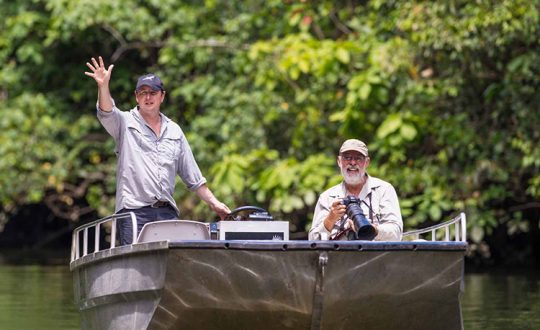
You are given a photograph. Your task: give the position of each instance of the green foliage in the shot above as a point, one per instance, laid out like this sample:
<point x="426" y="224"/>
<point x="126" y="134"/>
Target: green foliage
<point x="444" y="93"/>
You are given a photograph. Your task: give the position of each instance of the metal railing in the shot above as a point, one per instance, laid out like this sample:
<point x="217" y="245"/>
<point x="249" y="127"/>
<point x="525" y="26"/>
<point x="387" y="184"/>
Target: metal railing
<point x="451" y="230"/>
<point x="95" y="228"/>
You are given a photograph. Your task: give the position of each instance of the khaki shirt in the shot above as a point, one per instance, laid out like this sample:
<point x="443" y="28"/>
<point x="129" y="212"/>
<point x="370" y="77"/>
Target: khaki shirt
<point x="385" y="210"/>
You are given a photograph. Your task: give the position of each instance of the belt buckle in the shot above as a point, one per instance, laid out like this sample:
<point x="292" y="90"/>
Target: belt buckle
<point x="159" y="204"/>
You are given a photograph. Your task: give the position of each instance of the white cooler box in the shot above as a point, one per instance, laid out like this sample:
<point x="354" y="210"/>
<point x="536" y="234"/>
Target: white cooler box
<point x="253" y="230"/>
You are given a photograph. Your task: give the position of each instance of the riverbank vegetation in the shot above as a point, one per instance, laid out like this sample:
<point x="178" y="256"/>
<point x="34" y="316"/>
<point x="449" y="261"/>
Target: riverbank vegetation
<point x="444" y="94"/>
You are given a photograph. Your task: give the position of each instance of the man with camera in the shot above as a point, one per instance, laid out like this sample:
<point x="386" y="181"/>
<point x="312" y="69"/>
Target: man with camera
<point x="361" y="207"/>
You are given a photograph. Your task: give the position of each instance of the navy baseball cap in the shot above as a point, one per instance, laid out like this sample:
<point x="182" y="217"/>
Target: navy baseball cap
<point x="150" y="80"/>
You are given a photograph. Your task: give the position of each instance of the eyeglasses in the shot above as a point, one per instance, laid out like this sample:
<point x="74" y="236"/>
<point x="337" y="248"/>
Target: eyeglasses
<point x="145" y="93"/>
<point x="349" y="158"/>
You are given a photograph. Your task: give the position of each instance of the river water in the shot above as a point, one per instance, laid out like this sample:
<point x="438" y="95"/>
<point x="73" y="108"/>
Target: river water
<point x="41" y="297"/>
<point x="500" y="301"/>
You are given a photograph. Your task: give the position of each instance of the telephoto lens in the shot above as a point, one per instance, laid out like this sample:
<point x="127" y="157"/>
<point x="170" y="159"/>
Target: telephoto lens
<point x="364" y="229"/>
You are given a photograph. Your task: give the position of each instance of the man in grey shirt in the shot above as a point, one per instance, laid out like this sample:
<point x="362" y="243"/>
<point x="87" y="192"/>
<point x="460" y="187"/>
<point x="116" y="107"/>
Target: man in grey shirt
<point x="378" y="199"/>
<point x="151" y="151"/>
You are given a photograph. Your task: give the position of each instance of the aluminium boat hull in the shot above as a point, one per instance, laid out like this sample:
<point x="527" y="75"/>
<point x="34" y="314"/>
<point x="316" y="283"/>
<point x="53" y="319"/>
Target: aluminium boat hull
<point x="272" y="285"/>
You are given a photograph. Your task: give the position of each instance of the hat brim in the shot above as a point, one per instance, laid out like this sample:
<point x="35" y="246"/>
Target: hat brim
<point x="363" y="152"/>
<point x="153" y="87"/>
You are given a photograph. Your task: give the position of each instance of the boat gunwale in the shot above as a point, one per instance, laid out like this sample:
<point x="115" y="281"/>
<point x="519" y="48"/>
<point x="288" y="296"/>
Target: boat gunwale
<point x="254" y="245"/>
<point x="320" y="245"/>
<point x="118" y="252"/>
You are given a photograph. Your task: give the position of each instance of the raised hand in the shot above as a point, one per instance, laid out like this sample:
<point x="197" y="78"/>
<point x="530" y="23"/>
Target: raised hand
<point x="99" y="73"/>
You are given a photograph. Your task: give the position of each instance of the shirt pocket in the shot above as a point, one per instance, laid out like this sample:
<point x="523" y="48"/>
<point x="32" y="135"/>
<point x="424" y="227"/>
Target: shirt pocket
<point x="141" y="141"/>
<point x="169" y="147"/>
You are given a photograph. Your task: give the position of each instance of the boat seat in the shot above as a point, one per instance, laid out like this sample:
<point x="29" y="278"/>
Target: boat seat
<point x="172" y="230"/>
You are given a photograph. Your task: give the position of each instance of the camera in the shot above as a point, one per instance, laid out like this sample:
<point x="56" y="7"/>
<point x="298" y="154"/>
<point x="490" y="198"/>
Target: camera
<point x="364" y="229"/>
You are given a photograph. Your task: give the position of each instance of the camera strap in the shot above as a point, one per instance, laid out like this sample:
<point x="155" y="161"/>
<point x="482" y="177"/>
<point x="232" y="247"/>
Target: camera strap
<point x="371" y="209"/>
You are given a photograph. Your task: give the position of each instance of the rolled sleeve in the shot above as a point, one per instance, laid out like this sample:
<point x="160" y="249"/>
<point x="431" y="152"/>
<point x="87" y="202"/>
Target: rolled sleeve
<point x="187" y="168"/>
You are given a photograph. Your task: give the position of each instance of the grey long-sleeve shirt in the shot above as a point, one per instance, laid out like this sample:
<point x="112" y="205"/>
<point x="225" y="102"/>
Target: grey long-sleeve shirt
<point x="384" y="209"/>
<point x="148" y="164"/>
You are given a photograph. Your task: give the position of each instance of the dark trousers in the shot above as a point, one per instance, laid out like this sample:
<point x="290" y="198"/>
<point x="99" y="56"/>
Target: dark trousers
<point x="144" y="215"/>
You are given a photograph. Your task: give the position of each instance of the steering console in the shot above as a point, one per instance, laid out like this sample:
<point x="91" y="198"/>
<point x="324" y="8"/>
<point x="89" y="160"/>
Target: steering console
<point x="249" y="213"/>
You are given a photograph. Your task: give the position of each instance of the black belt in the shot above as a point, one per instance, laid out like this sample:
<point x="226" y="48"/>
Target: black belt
<point x="160" y="204"/>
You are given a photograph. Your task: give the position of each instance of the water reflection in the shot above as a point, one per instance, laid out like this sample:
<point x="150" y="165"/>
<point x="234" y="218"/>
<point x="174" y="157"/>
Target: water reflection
<point x="36" y="297"/>
<point x="501" y="301"/>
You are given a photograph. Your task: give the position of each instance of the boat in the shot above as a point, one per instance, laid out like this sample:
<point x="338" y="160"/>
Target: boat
<point x="183" y="274"/>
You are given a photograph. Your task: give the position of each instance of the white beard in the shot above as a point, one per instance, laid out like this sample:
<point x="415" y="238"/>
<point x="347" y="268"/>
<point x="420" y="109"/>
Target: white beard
<point x="352" y="179"/>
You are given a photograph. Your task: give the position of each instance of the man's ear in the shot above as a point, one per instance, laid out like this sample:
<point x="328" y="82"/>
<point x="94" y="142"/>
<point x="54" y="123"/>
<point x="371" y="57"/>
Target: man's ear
<point x="338" y="160"/>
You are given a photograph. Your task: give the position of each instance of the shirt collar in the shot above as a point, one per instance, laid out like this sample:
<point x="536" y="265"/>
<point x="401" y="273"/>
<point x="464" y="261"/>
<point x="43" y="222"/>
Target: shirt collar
<point x="137" y="114"/>
<point x="138" y="117"/>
